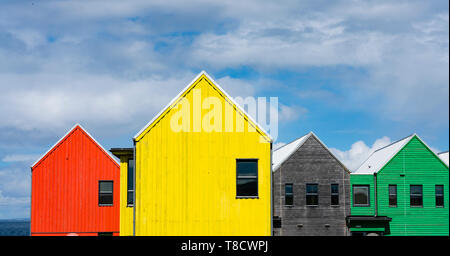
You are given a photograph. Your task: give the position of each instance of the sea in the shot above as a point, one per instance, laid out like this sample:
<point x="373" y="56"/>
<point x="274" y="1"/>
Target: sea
<point x="15" y="227"/>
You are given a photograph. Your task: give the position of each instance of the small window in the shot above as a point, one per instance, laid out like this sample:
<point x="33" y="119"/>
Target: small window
<point x="130" y="183"/>
<point x="361" y="195"/>
<point x="312" y="194"/>
<point x="439" y="195"/>
<point x="416" y="196"/>
<point x="247" y="177"/>
<point x="288" y="194"/>
<point x="393" y="195"/>
<point x="105" y="193"/>
<point x="334" y="194"/>
<point x="105" y="234"/>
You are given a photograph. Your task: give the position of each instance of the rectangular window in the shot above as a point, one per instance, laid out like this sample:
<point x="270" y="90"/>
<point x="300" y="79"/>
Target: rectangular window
<point x="130" y="183"/>
<point x="393" y="195"/>
<point x="105" y="192"/>
<point x="439" y="195"/>
<point x="334" y="194"/>
<point x="246" y="177"/>
<point x="361" y="195"/>
<point x="312" y="194"/>
<point x="415" y="196"/>
<point x="288" y="194"/>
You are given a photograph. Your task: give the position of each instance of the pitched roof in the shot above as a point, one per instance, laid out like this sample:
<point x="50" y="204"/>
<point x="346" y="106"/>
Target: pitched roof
<point x="280" y="155"/>
<point x="203" y="73"/>
<point x="381" y="156"/>
<point x="444" y="157"/>
<point x="65" y="136"/>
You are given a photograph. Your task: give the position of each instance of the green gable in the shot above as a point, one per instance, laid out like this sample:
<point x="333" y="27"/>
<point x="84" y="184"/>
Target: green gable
<point x="414" y="164"/>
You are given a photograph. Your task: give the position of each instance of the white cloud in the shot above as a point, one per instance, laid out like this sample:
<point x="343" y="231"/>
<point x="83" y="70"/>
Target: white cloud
<point x="359" y="152"/>
<point x="28" y="158"/>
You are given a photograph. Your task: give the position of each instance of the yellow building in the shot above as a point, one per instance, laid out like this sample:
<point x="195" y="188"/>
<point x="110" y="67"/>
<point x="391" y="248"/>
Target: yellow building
<point x="126" y="189"/>
<point x="203" y="167"/>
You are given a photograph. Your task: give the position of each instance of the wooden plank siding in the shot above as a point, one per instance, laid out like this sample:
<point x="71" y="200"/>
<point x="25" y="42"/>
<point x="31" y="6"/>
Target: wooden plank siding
<point x="311" y="163"/>
<point x="415" y="164"/>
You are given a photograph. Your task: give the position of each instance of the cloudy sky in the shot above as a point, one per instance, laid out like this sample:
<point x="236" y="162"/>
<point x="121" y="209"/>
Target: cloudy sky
<point x="360" y="74"/>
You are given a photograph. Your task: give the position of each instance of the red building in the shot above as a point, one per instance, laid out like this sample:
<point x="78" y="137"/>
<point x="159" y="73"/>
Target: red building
<point x="75" y="188"/>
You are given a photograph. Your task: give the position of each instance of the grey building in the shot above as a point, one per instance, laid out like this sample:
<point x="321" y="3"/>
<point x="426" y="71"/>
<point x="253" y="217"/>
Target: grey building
<point x="311" y="190"/>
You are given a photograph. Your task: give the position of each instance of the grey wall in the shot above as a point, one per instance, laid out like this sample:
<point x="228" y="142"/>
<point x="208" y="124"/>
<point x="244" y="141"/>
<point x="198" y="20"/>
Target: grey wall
<point x="312" y="163"/>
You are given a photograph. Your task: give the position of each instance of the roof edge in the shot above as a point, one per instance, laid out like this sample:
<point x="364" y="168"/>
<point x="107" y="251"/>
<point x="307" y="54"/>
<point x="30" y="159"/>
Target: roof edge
<point x="203" y="72"/>
<point x="77" y="125"/>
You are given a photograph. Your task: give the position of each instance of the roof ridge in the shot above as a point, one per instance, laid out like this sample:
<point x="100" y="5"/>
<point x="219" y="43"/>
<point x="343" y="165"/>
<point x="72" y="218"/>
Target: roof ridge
<point x="397" y="141"/>
<point x="292" y="141"/>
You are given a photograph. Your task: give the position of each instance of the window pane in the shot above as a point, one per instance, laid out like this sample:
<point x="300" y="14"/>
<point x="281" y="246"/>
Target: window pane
<point x="288" y="189"/>
<point x="392" y="195"/>
<point x="416" y="195"/>
<point x="247" y="167"/>
<point x="334" y="200"/>
<point x="334" y="188"/>
<point x="106" y="186"/>
<point x="439" y="195"/>
<point x="130" y="198"/>
<point x="130" y="178"/>
<point x="312" y="200"/>
<point x="361" y="195"/>
<point x="247" y="187"/>
<point x="288" y="194"/>
<point x="311" y="188"/>
<point x="106" y="199"/>
<point x="416" y="189"/>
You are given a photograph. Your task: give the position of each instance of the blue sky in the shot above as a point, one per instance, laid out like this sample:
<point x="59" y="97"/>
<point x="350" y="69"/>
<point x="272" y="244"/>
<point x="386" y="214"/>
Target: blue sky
<point x="360" y="74"/>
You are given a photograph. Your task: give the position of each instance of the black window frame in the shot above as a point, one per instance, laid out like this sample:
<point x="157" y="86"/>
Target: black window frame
<point x="286" y="194"/>
<point x="130" y="192"/>
<point x="247" y="177"/>
<point x="100" y="193"/>
<point x="368" y="195"/>
<point x="334" y="194"/>
<point x="411" y="196"/>
<point x="311" y="194"/>
<point x="392" y="194"/>
<point x="441" y="195"/>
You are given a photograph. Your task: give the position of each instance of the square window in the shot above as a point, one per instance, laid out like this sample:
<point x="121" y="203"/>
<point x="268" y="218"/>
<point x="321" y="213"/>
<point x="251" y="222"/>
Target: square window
<point x="361" y="195"/>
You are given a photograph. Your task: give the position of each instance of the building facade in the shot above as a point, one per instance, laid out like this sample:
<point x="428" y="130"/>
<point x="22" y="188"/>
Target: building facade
<point x="311" y="190"/>
<point x="75" y="188"/>
<point x="126" y="156"/>
<point x="198" y="172"/>
<point x="401" y="190"/>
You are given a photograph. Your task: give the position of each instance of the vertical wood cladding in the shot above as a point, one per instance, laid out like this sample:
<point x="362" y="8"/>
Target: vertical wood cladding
<point x="311" y="163"/>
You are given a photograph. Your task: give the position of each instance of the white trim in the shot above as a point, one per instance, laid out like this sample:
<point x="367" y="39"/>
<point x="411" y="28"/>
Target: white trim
<point x="301" y="144"/>
<point x="65" y="135"/>
<point x="304" y="137"/>
<point x="185" y="89"/>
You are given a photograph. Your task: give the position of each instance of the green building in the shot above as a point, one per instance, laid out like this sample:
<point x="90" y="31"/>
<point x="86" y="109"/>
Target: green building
<point x="400" y="190"/>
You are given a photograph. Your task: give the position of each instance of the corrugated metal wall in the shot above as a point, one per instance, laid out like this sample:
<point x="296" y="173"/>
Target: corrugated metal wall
<point x="65" y="188"/>
<point x="186" y="181"/>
